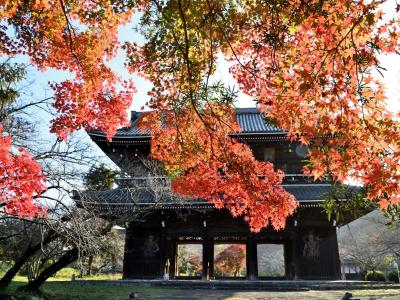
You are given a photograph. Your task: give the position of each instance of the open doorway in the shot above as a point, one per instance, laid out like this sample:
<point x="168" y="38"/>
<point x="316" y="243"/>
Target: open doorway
<point x="271" y="261"/>
<point x="230" y="260"/>
<point x="189" y="260"/>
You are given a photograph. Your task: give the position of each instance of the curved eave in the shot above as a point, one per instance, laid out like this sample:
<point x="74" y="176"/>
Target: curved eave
<point x="169" y="206"/>
<point x="120" y="139"/>
<point x="145" y="139"/>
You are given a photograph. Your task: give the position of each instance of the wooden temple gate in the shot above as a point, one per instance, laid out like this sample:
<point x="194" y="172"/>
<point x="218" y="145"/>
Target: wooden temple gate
<point x="151" y="250"/>
<point x="308" y="243"/>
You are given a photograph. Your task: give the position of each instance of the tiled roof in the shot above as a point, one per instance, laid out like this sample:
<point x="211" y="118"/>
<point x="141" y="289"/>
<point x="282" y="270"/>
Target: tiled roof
<point x="249" y="119"/>
<point x="132" y="131"/>
<point x="304" y="193"/>
<point x="315" y="192"/>
<point x="132" y="196"/>
<point x="252" y="121"/>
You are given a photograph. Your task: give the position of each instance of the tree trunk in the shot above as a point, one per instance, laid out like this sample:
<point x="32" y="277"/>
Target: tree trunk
<point x="90" y="264"/>
<point x="68" y="257"/>
<point x="31" y="250"/>
<point x="8" y="277"/>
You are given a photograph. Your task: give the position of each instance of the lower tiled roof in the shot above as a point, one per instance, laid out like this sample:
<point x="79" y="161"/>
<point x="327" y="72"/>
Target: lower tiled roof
<point x="142" y="197"/>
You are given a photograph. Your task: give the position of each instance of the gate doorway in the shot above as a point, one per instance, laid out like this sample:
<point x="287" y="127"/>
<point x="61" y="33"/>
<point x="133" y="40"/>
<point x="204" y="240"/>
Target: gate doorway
<point x="189" y="261"/>
<point x="230" y="261"/>
<point x="271" y="261"/>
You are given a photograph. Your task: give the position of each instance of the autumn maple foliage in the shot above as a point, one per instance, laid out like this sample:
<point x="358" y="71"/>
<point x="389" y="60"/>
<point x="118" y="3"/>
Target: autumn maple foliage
<point x="219" y="169"/>
<point x="78" y="37"/>
<point x="309" y="65"/>
<point x="21" y="179"/>
<point x="94" y="97"/>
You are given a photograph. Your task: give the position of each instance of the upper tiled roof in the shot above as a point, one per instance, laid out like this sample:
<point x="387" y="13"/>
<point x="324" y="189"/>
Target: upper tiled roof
<point x="132" y="131"/>
<point x="249" y="119"/>
<point x="252" y="121"/>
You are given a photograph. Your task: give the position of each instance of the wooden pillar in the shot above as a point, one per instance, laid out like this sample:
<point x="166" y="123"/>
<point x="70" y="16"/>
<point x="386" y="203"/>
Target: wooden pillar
<point x="251" y="257"/>
<point x="295" y="240"/>
<point x="210" y="248"/>
<point x="125" y="270"/>
<point x="172" y="258"/>
<point x="335" y="253"/>
<point x="206" y="255"/>
<point x="288" y="257"/>
<point x="163" y="249"/>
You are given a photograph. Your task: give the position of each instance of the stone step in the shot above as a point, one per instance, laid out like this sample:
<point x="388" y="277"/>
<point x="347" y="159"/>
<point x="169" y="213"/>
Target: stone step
<point x="278" y="285"/>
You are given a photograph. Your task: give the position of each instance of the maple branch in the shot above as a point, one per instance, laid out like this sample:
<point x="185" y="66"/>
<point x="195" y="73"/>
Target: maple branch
<point x="235" y="54"/>
<point x="185" y="52"/>
<point x="188" y="66"/>
<point x="368" y="125"/>
<point x="23" y="107"/>
<point x="211" y="63"/>
<point x="186" y="57"/>
<point x="69" y="26"/>
<point x="71" y="32"/>
<point x="335" y="49"/>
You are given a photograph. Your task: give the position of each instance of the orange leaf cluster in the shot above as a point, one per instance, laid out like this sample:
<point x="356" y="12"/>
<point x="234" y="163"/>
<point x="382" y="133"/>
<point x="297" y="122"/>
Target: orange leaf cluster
<point x="78" y="37"/>
<point x="21" y="179"/>
<point x="207" y="163"/>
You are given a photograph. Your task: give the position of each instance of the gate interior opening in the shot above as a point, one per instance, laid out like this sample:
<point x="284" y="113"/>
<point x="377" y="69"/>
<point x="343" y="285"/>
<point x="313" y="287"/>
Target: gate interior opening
<point x="230" y="261"/>
<point x="271" y="261"/>
<point x="189" y="260"/>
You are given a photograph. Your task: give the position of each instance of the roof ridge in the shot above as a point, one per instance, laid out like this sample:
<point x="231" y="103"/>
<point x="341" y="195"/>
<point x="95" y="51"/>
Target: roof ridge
<point x="248" y="110"/>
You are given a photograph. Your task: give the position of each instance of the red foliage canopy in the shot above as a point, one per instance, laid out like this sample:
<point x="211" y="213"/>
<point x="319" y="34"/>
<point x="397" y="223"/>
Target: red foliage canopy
<point x="307" y="63"/>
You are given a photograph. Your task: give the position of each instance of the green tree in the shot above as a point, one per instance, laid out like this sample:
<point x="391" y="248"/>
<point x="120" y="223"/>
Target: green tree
<point x="100" y="178"/>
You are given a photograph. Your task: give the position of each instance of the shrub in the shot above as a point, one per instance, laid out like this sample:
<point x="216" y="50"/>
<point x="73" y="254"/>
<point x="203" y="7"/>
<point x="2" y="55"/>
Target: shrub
<point x="4" y="266"/>
<point x="375" y="276"/>
<point x="392" y="276"/>
<point x="362" y="274"/>
<point x="66" y="273"/>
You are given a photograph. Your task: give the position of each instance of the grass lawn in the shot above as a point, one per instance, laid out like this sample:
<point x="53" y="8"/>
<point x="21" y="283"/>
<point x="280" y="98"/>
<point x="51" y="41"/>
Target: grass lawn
<point x="60" y="289"/>
<point x="67" y="291"/>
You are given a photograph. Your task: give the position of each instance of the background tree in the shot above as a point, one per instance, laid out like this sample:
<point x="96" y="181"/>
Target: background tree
<point x="231" y="260"/>
<point x="84" y="227"/>
<point x="189" y="260"/>
<point x="32" y="244"/>
<point x="21" y="177"/>
<point x="100" y="178"/>
<point x="110" y="260"/>
<point x="370" y="243"/>
<point x="97" y="179"/>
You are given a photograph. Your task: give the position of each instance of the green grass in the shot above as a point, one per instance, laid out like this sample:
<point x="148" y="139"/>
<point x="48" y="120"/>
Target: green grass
<point x="67" y="291"/>
<point x="59" y="288"/>
<point x="24" y="279"/>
